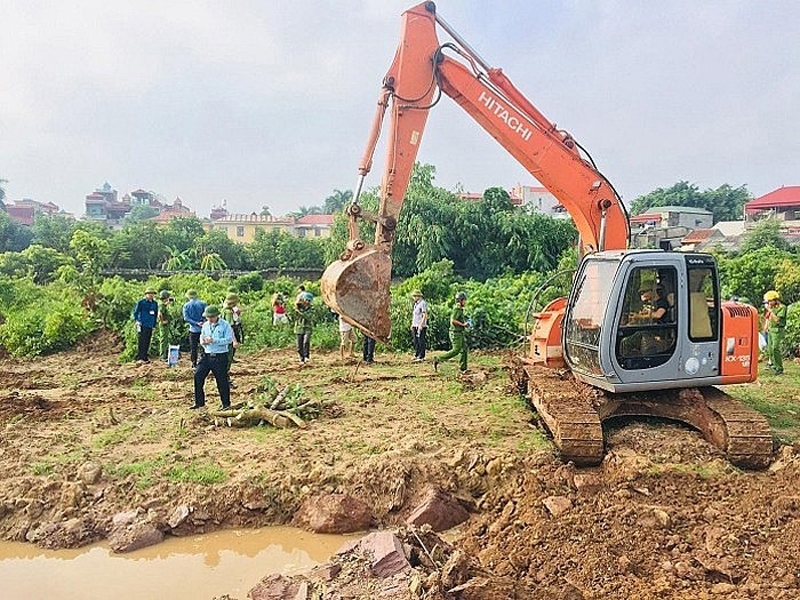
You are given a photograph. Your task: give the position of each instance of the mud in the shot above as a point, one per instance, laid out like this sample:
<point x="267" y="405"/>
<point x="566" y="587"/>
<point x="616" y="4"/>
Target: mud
<point x="665" y="516"/>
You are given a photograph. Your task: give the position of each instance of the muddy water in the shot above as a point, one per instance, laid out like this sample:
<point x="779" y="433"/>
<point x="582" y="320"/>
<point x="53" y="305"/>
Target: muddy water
<point x="181" y="568"/>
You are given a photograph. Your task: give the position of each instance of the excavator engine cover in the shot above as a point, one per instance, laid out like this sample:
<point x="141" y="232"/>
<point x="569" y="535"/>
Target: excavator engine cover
<point x="358" y="290"/>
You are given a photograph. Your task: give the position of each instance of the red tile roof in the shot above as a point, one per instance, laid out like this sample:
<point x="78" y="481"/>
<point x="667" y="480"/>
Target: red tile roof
<point x="646" y="218"/>
<point x="783" y="196"/>
<point x="698" y="235"/>
<point x="315" y="220"/>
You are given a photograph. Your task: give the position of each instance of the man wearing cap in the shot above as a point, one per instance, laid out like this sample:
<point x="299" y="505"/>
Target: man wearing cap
<point x="303" y="325"/>
<point x="193" y="315"/>
<point x="168" y="333"/>
<point x="419" y="325"/>
<point x="776" y="329"/>
<point x="144" y="315"/>
<point x="215" y="336"/>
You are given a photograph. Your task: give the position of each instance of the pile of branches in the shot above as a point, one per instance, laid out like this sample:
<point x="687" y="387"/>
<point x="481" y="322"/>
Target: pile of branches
<point x="273" y="405"/>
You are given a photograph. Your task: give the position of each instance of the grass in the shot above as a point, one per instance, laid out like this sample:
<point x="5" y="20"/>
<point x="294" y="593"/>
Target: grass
<point x="203" y="473"/>
<point x="143" y="391"/>
<point x="777" y="397"/>
<point x="114" y="436"/>
<point x="149" y="471"/>
<point x="47" y="465"/>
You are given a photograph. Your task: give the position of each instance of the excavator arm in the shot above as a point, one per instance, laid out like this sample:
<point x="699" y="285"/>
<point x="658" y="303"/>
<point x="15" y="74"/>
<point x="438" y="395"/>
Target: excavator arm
<point x="357" y="285"/>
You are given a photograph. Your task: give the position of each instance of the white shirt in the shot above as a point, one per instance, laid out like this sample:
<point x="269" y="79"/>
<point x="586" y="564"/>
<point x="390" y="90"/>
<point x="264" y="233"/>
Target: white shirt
<point x="420" y="314"/>
<point x="344" y="326"/>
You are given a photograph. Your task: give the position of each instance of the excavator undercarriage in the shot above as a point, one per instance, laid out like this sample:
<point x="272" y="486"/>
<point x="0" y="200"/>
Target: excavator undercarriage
<point x="574" y="413"/>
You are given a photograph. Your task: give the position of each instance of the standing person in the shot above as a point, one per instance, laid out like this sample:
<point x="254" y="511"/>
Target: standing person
<point x="144" y="315"/>
<point x="168" y="333"/>
<point x="301" y="290"/>
<point x="346" y="341"/>
<point x="419" y="325"/>
<point x="776" y="328"/>
<point x="303" y="325"/>
<point x="193" y="315"/>
<point x="368" y="350"/>
<point x="232" y="313"/>
<point x="458" y="327"/>
<point x="215" y="336"/>
<point x="279" y="315"/>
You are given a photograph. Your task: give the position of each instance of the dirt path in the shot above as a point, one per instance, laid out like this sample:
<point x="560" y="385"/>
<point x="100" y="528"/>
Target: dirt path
<point x="85" y="438"/>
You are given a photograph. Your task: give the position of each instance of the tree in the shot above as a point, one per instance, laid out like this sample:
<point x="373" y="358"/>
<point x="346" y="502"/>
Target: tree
<point x="232" y="254"/>
<point x="337" y="201"/>
<point x="265" y="212"/>
<point x="726" y="203"/>
<point x="43" y="262"/>
<point x="92" y="255"/>
<point x="53" y="231"/>
<point x="139" y="213"/>
<point x="212" y="262"/>
<point x="766" y="232"/>
<point x="3" y="192"/>
<point x="13" y="236"/>
<point x="181" y="233"/>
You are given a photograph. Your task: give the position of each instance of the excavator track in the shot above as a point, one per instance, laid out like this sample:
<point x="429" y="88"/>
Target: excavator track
<point x="574" y="414"/>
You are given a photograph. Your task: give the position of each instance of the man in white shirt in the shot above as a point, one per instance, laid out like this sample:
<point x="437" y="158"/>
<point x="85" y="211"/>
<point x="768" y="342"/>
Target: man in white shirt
<point x="419" y="325"/>
<point x="347" y="340"/>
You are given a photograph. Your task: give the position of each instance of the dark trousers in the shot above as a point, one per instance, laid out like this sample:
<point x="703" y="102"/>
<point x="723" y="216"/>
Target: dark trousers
<point x="217" y="364"/>
<point x="304" y="344"/>
<point x="194" y="346"/>
<point x="419" y="334"/>
<point x="369" y="349"/>
<point x="143" y="347"/>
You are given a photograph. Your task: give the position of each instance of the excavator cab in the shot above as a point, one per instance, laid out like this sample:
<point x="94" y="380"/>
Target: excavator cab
<point x="653" y="320"/>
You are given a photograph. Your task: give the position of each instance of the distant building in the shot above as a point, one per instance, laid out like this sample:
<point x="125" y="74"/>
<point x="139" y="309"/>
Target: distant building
<point x="314" y="226"/>
<point x="24" y="211"/>
<point x="539" y="199"/>
<point x="220" y="212"/>
<point x="243" y="228"/>
<point x="782" y="204"/>
<point x="674" y="216"/>
<point x="104" y="206"/>
<point x="167" y="212"/>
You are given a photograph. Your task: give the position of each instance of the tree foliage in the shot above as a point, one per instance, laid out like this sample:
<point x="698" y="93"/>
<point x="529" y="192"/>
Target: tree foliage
<point x="726" y="202"/>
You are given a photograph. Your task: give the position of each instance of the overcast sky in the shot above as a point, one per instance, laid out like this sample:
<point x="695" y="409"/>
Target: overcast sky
<point x="270" y="102"/>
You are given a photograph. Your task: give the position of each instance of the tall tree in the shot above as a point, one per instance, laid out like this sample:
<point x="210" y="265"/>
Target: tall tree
<point x="337" y="201"/>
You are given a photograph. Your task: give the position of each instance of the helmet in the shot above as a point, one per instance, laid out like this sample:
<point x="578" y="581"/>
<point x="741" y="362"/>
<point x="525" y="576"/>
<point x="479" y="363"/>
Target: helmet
<point x="232" y="297"/>
<point x="307" y="296"/>
<point x="461" y="297"/>
<point x="416" y="294"/>
<point x="191" y="293"/>
<point x="771" y="295"/>
<point x="164" y="294"/>
<point x="149" y="291"/>
<point x="211" y="311"/>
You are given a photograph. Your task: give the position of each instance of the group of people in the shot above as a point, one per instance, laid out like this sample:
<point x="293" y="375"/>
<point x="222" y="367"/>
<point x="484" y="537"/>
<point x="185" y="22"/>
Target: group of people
<point x="214" y="335"/>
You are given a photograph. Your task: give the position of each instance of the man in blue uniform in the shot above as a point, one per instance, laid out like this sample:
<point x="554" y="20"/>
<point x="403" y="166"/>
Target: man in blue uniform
<point x="193" y="315"/>
<point x="215" y="336"/>
<point x="144" y="314"/>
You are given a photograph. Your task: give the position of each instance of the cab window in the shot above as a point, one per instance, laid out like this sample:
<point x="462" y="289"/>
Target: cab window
<point x="703" y="303"/>
<point x="647" y="321"/>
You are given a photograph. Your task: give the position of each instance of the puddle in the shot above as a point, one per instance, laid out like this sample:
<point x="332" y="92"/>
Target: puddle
<point x="197" y="567"/>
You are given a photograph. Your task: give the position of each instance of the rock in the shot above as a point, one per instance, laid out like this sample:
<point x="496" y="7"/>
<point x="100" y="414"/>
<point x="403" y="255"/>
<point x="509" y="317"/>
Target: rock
<point x="134" y="536"/>
<point x="439" y="510"/>
<point x="655" y="519"/>
<point x="587" y="483"/>
<point x="122" y="519"/>
<point x="723" y="588"/>
<point x="557" y="505"/>
<point x="333" y="513"/>
<point x="384" y="550"/>
<point x="278" y="587"/>
<point x="456" y="570"/>
<point x="178" y="516"/>
<point x="326" y="572"/>
<point x="89" y="472"/>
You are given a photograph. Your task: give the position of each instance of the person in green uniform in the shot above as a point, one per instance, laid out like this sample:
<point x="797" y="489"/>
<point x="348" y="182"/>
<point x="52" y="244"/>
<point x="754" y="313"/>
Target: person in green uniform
<point x="169" y="324"/>
<point x="303" y="325"/>
<point x="232" y="313"/>
<point x="458" y="327"/>
<point x="776" y="329"/>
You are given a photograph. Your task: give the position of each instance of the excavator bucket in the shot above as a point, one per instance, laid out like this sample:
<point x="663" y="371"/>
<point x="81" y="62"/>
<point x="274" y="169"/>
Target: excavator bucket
<point x="358" y="289"/>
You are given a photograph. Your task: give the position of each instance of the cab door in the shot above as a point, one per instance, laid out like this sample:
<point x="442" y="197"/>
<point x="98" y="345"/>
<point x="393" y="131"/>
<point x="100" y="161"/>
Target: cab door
<point x="646" y="340"/>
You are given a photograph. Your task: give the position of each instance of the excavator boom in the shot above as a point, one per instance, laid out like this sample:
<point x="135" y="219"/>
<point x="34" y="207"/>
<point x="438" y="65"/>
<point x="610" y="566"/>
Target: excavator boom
<point x="357" y="285"/>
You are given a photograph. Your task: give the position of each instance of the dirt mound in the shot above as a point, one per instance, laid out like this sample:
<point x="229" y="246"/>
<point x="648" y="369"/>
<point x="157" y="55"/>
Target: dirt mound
<point x="638" y="529"/>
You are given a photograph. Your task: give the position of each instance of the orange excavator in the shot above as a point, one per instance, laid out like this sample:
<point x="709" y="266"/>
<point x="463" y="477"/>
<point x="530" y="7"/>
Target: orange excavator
<point x="642" y="333"/>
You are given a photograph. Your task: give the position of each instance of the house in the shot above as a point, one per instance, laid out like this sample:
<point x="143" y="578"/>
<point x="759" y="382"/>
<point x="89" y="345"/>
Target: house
<point x="243" y="227"/>
<point x="167" y="212"/>
<point x="782" y="204"/>
<point x="24" y="211"/>
<point x="538" y="199"/>
<point x="673" y="216"/>
<point x="315" y="226"/>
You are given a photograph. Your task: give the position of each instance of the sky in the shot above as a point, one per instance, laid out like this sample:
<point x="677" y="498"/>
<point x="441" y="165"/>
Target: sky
<point x="270" y="103"/>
